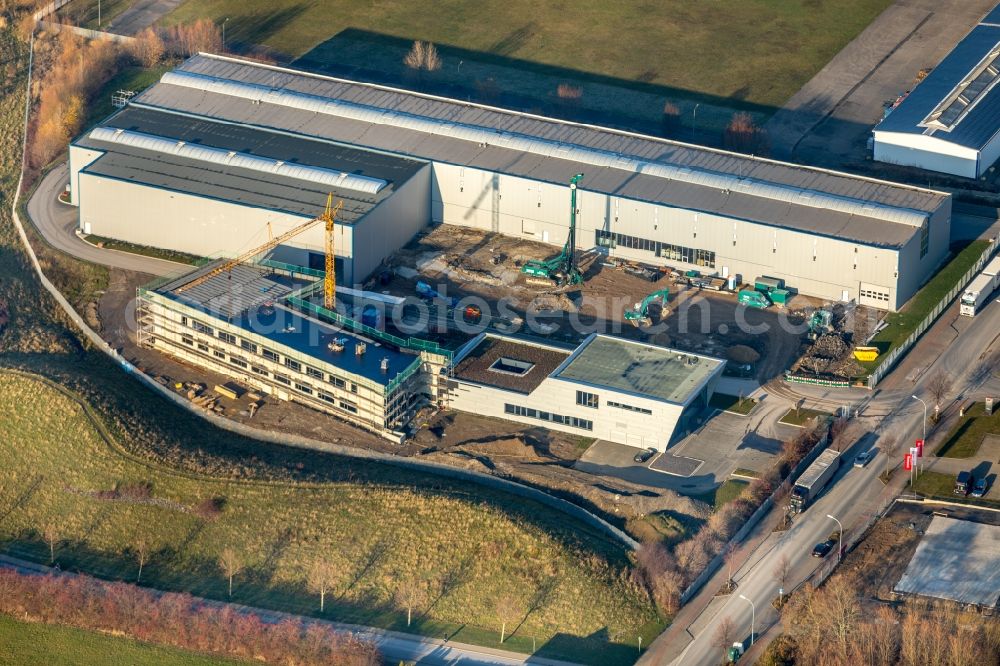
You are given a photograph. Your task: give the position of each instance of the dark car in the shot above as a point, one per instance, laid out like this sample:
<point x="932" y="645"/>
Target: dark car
<point x="980" y="488"/>
<point x="822" y="549"/>
<point x="643" y="456"/>
<point x="963" y="483"/>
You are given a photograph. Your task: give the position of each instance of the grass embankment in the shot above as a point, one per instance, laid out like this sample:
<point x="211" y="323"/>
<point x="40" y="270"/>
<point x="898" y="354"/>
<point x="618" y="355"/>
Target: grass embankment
<point x="145" y="250"/>
<point x="935" y="485"/>
<point x="129" y="77"/>
<point x="733" y="404"/>
<point x="528" y="49"/>
<point x="26" y="644"/>
<point x="800" y="417"/>
<point x="901" y="324"/>
<point x="964" y="441"/>
<point x="726" y="492"/>
<point x="460" y="545"/>
<point x="85" y="13"/>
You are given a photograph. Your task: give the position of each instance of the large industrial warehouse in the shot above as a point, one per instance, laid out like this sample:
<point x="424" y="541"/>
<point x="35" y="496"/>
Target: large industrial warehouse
<point x="204" y="159"/>
<point x="949" y="123"/>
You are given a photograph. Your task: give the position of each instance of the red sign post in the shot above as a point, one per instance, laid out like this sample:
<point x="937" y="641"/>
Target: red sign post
<point x="907" y="461"/>
<point x="920" y="448"/>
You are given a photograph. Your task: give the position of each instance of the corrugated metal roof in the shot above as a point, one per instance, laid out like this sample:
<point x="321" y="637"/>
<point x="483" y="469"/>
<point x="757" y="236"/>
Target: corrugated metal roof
<point x="616" y="163"/>
<point x="978" y="120"/>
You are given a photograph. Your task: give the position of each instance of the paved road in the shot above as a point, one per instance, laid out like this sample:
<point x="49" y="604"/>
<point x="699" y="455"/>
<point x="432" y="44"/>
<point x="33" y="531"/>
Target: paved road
<point x="141" y="15"/>
<point x="57" y="223"/>
<point x="857" y="492"/>
<point x="829" y="120"/>
<point x="395" y="646"/>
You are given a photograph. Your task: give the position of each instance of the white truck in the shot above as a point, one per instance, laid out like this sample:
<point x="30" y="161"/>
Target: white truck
<point x="980" y="289"/>
<point x="813" y="480"/>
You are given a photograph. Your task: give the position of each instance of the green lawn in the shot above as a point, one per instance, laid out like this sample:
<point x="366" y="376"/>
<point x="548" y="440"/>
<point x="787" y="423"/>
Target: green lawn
<point x="940" y="486"/>
<point x="732" y="403"/>
<point x="628" y="57"/>
<point x="85" y="12"/>
<point x="169" y="255"/>
<point x="29" y="643"/>
<point x="901" y="324"/>
<point x="964" y="440"/>
<point x="466" y="547"/>
<point x="800" y="417"/>
<point x="729" y="490"/>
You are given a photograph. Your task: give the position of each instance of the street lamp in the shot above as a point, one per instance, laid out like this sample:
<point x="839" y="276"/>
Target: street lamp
<point x="753" y="617"/>
<point x="840" y="539"/>
<point x="924" y="430"/>
<point x="224" y="34"/>
<point x="694" y="120"/>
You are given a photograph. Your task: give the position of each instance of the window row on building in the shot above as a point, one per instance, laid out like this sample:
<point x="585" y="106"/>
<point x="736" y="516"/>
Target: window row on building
<point x="629" y="408"/>
<point x="300" y="387"/>
<point x="688" y="255"/>
<point x="573" y="421"/>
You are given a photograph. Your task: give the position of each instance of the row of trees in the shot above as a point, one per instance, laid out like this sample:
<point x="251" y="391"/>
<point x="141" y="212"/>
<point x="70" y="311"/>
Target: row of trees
<point x="830" y="625"/>
<point x="666" y="574"/>
<point x="70" y="71"/>
<point x="177" y="620"/>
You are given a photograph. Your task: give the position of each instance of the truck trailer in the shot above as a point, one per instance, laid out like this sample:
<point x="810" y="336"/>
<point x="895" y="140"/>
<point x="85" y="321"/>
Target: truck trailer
<point x="980" y="289"/>
<point x="814" y="479"/>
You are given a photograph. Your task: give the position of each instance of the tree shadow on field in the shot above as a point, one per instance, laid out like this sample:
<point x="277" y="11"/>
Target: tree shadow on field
<point x="244" y="32"/>
<point x="374" y="57"/>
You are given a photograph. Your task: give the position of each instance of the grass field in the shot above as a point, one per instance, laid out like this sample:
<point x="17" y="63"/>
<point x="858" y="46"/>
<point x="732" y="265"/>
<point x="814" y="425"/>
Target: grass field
<point x="940" y="486"/>
<point x="751" y="54"/>
<point x="732" y="403"/>
<point x="965" y="439"/>
<point x="28" y="644"/>
<point x="465" y="552"/>
<point x="800" y="417"/>
<point x="901" y="324"/>
<point x="125" y="246"/>
<point x="729" y="490"/>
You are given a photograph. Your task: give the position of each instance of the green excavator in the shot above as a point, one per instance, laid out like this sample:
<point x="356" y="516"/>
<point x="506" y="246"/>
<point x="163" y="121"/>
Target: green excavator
<point x="639" y="315"/>
<point x="562" y="268"/>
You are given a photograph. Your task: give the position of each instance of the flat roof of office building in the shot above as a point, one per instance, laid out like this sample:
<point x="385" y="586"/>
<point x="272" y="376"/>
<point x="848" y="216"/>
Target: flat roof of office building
<point x="642" y="369"/>
<point x="617" y="163"/>
<point x="508" y="363"/>
<point x="249" y="298"/>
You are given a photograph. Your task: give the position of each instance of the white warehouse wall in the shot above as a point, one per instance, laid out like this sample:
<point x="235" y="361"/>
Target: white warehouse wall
<point x="540" y="211"/>
<point x="161" y="218"/>
<point x="925" y="152"/>
<point x="79" y="158"/>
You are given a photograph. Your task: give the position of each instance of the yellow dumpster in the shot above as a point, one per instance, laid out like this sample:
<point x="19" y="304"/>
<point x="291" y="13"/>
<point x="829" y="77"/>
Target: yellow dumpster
<point x="866" y="353"/>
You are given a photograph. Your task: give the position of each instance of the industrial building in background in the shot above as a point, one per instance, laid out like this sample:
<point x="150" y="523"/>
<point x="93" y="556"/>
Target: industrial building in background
<point x="204" y="159"/>
<point x="951" y="121"/>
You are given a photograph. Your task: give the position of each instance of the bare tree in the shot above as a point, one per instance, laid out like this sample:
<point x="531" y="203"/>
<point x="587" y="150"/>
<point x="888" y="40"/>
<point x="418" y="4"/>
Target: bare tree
<point x="432" y="61"/>
<point x="938" y="386"/>
<point x="781" y="570"/>
<point x="140" y="547"/>
<point x="724" y="632"/>
<point x="231" y="564"/>
<point x="508" y="609"/>
<point x="322" y="577"/>
<point x="885" y="637"/>
<point x="414" y="59"/>
<point x="148" y="48"/>
<point x="51" y="536"/>
<point x="410" y="594"/>
<point x="889" y="444"/>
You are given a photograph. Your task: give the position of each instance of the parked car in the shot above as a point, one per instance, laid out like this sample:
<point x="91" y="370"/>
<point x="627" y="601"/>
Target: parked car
<point x="822" y="549"/>
<point x="963" y="483"/>
<point x="864" y="458"/>
<point x="643" y="456"/>
<point x="981" y="487"/>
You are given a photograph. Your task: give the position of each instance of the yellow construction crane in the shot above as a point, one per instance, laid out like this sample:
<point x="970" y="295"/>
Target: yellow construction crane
<point x="329" y="283"/>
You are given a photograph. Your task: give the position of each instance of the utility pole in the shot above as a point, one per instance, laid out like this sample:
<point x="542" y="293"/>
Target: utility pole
<point x="224" y="34"/>
<point x="753" y="617"/>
